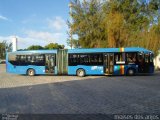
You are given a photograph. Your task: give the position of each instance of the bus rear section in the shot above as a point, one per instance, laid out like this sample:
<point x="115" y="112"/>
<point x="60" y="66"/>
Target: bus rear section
<point x="32" y="62"/>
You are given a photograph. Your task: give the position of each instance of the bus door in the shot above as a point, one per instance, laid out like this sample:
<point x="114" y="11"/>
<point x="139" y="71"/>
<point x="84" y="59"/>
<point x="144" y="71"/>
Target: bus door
<point x="141" y="62"/>
<point x="50" y="63"/>
<point x="62" y="62"/>
<point x="147" y="63"/>
<point x="108" y="63"/>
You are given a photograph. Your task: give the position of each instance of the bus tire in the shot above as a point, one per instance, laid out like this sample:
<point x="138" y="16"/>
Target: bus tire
<point x="81" y="72"/>
<point x="30" y="72"/>
<point x="131" y="72"/>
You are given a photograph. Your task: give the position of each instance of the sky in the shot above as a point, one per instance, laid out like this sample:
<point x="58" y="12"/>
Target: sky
<point x="34" y="22"/>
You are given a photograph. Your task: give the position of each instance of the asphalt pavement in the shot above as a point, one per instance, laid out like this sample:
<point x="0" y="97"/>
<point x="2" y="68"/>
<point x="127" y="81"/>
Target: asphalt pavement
<point x="74" y="95"/>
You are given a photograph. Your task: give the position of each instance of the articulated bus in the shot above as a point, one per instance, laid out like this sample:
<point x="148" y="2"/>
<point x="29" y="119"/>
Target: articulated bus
<point x="81" y="62"/>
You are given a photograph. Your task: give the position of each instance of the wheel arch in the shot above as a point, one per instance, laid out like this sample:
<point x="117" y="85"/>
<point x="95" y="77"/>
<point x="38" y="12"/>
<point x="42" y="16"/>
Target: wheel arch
<point x="81" y="69"/>
<point x="131" y="68"/>
<point x="29" y="69"/>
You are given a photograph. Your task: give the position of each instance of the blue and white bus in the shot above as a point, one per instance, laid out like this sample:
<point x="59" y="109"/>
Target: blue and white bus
<point x="81" y="62"/>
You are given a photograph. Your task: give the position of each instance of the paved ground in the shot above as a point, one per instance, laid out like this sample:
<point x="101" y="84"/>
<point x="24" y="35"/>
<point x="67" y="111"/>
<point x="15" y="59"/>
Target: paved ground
<point x="71" y="94"/>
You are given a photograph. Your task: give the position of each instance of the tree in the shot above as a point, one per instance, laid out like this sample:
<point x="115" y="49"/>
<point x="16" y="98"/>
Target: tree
<point x="151" y="39"/>
<point x="54" y="46"/>
<point x="49" y="46"/>
<point x="115" y="30"/>
<point x="116" y="23"/>
<point x="124" y="21"/>
<point x="35" y="47"/>
<point x="75" y="43"/>
<point x="87" y="17"/>
<point x="5" y="47"/>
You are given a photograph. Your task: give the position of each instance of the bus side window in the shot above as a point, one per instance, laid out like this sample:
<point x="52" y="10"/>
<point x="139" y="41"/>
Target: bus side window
<point x="22" y="58"/>
<point x="28" y="58"/>
<point x="131" y="58"/>
<point x="33" y="58"/>
<point x="84" y="59"/>
<point x="146" y="58"/>
<point x="12" y="58"/>
<point x="119" y="58"/>
<point x="140" y="57"/>
<point x="40" y="60"/>
<point x="95" y="59"/>
<point x="18" y="58"/>
<point x="73" y="59"/>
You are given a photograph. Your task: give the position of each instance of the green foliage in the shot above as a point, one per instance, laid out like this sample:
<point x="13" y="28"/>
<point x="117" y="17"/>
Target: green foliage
<point x="5" y="47"/>
<point x="116" y="23"/>
<point x="86" y="21"/>
<point x="54" y="46"/>
<point x="35" y="47"/>
<point x="75" y="43"/>
<point x="49" y="47"/>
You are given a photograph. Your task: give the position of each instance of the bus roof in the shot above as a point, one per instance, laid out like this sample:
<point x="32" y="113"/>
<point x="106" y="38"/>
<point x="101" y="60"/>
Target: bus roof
<point x="34" y="51"/>
<point x="98" y="50"/>
<point x="87" y="50"/>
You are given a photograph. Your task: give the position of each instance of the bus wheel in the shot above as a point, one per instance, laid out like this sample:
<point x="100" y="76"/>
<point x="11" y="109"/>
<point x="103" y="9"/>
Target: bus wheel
<point x="80" y="73"/>
<point x="30" y="72"/>
<point x="131" y="72"/>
